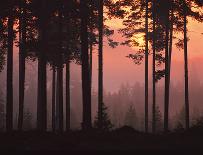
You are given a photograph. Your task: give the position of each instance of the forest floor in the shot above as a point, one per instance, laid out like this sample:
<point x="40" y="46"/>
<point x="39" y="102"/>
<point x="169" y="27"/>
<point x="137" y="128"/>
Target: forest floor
<point x="120" y="140"/>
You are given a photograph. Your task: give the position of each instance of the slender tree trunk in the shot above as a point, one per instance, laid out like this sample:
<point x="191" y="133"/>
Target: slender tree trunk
<point x="68" y="101"/>
<point x="100" y="76"/>
<point x="170" y="51"/>
<point x="42" y="79"/>
<point x="54" y="99"/>
<point x="22" y="37"/>
<point x="57" y="103"/>
<point x="60" y="96"/>
<point x="146" y="68"/>
<point x="90" y="58"/>
<point x="166" y="96"/>
<point x="68" y="95"/>
<point x="187" y="118"/>
<point x="91" y="51"/>
<point x="9" y="94"/>
<point x="42" y="95"/>
<point x="154" y="70"/>
<point x="86" y="90"/>
<point x="170" y="47"/>
<point x="60" y="71"/>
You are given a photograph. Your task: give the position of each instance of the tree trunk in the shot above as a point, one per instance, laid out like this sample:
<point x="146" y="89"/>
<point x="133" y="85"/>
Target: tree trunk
<point x="170" y="52"/>
<point x="22" y="52"/>
<point x="68" y="101"/>
<point x="9" y="94"/>
<point x="100" y="76"/>
<point x="170" y="47"/>
<point x="60" y="71"/>
<point x="42" y="93"/>
<point x="68" y="95"/>
<point x="166" y="96"/>
<point x="187" y="118"/>
<point x="146" y="68"/>
<point x="54" y="99"/>
<point x="90" y="59"/>
<point x="60" y="97"/>
<point x="86" y="90"/>
<point x="154" y="71"/>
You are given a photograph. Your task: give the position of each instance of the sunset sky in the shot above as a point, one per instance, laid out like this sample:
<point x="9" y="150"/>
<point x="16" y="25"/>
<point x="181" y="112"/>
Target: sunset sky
<point x="118" y="69"/>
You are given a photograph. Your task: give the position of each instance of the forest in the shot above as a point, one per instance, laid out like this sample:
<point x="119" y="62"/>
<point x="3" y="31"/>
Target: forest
<point x="49" y="99"/>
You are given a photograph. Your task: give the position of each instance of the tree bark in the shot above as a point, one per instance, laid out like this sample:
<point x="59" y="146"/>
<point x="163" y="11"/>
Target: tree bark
<point x="166" y="96"/>
<point x="68" y="95"/>
<point x="60" y="70"/>
<point x="68" y="101"/>
<point x="9" y="94"/>
<point x="42" y="95"/>
<point x="22" y="52"/>
<point x="42" y="79"/>
<point x="100" y="76"/>
<point x="170" y="47"/>
<point x="146" y="68"/>
<point x="90" y="57"/>
<point x="86" y="90"/>
<point x="54" y="99"/>
<point x="154" y="71"/>
<point x="60" y="97"/>
<point x="187" y="117"/>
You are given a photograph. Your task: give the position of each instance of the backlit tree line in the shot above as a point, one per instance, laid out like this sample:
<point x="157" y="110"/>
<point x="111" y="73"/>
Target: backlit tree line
<point x="59" y="32"/>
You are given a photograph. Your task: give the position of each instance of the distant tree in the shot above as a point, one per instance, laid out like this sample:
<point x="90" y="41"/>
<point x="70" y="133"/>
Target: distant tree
<point x="131" y="117"/>
<point x="179" y="126"/>
<point x="158" y="119"/>
<point x="106" y="124"/>
<point x="27" y="120"/>
<point x="180" y="117"/>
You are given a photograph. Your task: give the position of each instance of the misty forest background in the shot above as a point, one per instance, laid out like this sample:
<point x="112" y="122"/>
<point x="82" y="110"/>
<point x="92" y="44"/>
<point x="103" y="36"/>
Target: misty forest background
<point x="47" y="54"/>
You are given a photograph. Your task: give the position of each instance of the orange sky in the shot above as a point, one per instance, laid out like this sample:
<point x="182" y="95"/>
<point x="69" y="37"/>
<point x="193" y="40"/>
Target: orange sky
<point x="119" y="69"/>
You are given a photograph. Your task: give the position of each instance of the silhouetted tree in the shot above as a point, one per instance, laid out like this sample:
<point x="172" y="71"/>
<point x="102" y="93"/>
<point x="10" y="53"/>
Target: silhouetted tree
<point x="9" y="94"/>
<point x="184" y="9"/>
<point x="86" y="90"/>
<point x="158" y="119"/>
<point x="131" y="117"/>
<point x="22" y="56"/>
<point x="166" y="8"/>
<point x="27" y="120"/>
<point x="100" y="76"/>
<point x="106" y="124"/>
<point x="154" y="69"/>
<point x="53" y="99"/>
<point x="146" y="66"/>
<point x="42" y="82"/>
<point x="187" y="117"/>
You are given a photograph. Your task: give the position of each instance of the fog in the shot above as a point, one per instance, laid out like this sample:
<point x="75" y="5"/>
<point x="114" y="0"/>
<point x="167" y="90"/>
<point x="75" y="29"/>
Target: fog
<point x="123" y="84"/>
